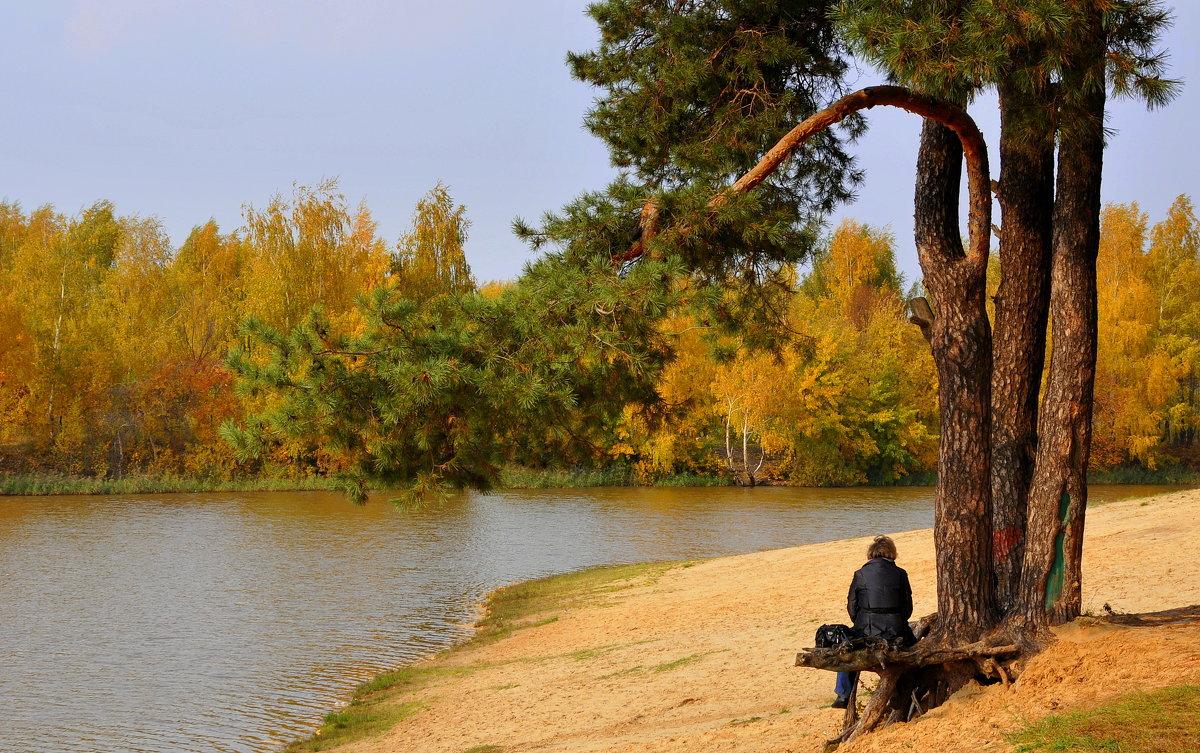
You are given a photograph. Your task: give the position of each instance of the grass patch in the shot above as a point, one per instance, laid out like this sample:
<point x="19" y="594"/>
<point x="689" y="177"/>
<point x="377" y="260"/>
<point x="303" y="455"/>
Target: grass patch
<point x="748" y="720"/>
<point x="375" y="707"/>
<point x="408" y="678"/>
<point x="47" y="484"/>
<point x="517" y="606"/>
<point x="595" y="653"/>
<point x="681" y="662"/>
<point x="624" y="672"/>
<point x="1162" y="721"/>
<point x="484" y="749"/>
<point x="362" y="718"/>
<point x="516" y="477"/>
<point x="664" y="667"/>
<point x="1135" y="474"/>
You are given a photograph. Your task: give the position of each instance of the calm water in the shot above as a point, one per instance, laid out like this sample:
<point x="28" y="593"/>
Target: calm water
<point x="234" y="622"/>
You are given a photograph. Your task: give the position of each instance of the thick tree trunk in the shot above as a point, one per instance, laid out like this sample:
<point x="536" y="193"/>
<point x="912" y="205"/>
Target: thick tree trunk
<point x="1051" y="580"/>
<point x="1026" y="194"/>
<point x="960" y="335"/>
<point x="960" y="338"/>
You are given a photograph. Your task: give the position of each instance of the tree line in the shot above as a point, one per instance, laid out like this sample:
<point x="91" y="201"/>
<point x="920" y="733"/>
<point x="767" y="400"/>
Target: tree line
<point x="119" y="352"/>
<point x="114" y="347"/>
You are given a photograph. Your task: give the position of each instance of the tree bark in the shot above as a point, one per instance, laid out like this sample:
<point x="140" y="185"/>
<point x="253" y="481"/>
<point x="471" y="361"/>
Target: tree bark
<point x="1026" y="197"/>
<point x="960" y="335"/>
<point x="1051" y="580"/>
<point x="961" y="341"/>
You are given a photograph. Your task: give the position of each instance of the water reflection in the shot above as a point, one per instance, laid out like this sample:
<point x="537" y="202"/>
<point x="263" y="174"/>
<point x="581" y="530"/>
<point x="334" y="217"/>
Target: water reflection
<point x="233" y="622"/>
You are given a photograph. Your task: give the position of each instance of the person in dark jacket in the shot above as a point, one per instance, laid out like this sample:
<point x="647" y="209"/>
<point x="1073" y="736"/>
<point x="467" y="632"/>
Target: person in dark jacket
<point x="879" y="603"/>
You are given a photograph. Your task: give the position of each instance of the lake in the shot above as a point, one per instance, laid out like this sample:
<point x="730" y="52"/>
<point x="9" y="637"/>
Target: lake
<point x="236" y="621"/>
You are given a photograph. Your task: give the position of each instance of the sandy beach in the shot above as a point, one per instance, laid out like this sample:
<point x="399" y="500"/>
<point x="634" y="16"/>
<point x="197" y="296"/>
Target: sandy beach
<point x="700" y="657"/>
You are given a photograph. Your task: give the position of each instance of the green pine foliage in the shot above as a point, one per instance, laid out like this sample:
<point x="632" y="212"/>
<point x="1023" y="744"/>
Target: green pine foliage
<point x="956" y="48"/>
<point x="442" y="394"/>
<point x="692" y="95"/>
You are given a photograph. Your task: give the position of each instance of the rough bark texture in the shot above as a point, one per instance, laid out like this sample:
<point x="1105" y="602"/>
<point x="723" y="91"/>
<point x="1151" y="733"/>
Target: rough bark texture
<point x="1051" y="577"/>
<point x="911" y="680"/>
<point x="960" y="335"/>
<point x="1026" y="195"/>
<point x="960" y="338"/>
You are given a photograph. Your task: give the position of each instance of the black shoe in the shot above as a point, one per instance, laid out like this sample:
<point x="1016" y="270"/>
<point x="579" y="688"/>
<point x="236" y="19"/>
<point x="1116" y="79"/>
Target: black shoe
<point x="840" y="703"/>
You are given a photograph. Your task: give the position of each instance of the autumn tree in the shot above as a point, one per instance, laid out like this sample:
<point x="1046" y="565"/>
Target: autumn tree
<point x="747" y="391"/>
<point x="1148" y="340"/>
<point x="315" y="231"/>
<point x="866" y="392"/>
<point x="62" y="266"/>
<point x="208" y="282"/>
<point x="429" y="258"/>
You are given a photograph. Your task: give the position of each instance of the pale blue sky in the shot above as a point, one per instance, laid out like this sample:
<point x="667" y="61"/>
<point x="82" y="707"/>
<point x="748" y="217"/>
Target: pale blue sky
<point x="188" y="109"/>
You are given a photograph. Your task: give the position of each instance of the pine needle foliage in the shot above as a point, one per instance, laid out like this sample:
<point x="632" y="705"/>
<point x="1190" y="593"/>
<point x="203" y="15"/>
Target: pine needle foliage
<point x="692" y="94"/>
<point x="442" y="394"/>
<point x="954" y="48"/>
<point x="711" y="85"/>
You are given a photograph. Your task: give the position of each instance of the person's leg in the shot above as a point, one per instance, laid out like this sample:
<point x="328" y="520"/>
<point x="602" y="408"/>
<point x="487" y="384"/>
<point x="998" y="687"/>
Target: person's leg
<point x="845" y="685"/>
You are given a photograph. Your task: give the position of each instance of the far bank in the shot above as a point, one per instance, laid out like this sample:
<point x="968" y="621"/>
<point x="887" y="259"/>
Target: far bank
<point x="37" y="484"/>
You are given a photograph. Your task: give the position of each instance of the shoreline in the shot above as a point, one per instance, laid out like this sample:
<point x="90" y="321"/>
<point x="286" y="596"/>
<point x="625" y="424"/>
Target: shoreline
<point x="50" y="484"/>
<point x="642" y="646"/>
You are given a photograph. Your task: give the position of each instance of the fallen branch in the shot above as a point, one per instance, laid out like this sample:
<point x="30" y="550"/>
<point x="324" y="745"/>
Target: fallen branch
<point x="877" y="655"/>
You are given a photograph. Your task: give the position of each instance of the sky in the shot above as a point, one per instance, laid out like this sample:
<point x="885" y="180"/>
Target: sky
<point x="187" y="110"/>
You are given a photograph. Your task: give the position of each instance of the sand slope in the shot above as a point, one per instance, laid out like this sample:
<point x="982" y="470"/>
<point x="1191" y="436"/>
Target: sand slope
<point x="701" y="659"/>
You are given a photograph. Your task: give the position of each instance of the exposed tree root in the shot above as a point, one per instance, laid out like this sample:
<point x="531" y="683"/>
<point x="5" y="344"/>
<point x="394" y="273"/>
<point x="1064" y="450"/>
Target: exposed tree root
<point x="913" y="680"/>
<point x="1179" y="616"/>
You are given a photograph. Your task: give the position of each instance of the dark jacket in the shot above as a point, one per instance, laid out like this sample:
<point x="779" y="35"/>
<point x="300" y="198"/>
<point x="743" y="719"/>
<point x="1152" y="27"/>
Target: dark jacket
<point x="880" y="600"/>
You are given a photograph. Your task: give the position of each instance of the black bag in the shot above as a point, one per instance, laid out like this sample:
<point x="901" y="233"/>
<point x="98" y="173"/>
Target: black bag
<point x="832" y="636"/>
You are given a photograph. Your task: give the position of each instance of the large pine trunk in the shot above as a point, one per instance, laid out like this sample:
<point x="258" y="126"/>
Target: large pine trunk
<point x="1026" y="194"/>
<point x="961" y="340"/>
<point x="1050" y="583"/>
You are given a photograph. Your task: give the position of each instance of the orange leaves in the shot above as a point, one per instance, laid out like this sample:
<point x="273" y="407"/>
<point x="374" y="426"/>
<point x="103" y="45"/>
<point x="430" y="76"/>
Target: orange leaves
<point x="1149" y="336"/>
<point x="312" y="250"/>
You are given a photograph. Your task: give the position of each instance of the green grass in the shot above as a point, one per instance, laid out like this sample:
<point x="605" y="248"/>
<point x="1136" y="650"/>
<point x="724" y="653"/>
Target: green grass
<point x="664" y="667"/>
<point x="510" y="478"/>
<point x="376" y="707"/>
<point x="484" y="749"/>
<point x="681" y="662"/>
<point x="42" y="484"/>
<point x="409" y="678"/>
<point x="1162" y="721"/>
<point x="1136" y="474"/>
<point x="514" y="608"/>
<point x="516" y="477"/>
<point x="362" y="718"/>
<point x="587" y="654"/>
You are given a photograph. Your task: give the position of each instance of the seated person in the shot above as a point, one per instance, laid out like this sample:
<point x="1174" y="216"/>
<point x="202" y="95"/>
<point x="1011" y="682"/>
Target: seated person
<point x="879" y="603"/>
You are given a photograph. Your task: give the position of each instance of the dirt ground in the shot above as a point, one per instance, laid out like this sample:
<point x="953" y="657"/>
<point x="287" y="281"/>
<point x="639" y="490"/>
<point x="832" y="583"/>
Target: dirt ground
<point x="701" y="658"/>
